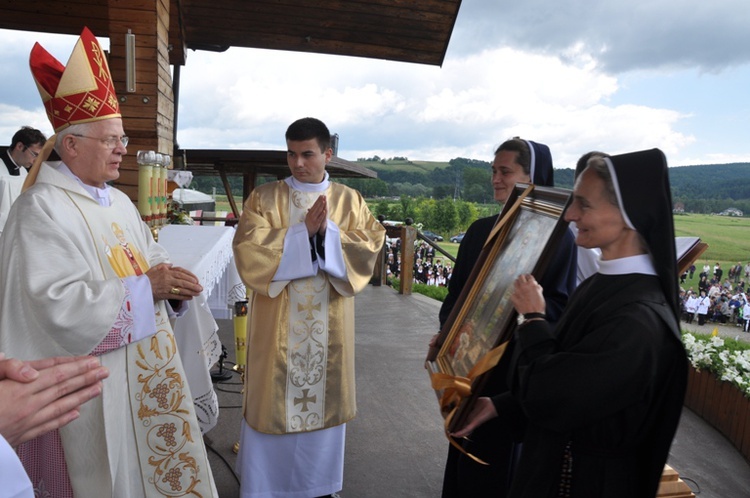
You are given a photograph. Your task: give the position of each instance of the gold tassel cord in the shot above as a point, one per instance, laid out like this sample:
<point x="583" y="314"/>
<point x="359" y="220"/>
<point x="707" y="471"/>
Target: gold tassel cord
<point x="456" y="388"/>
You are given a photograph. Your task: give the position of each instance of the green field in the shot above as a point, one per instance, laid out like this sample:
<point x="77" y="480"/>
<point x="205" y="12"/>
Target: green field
<point x="728" y="240"/>
<point x="406" y="166"/>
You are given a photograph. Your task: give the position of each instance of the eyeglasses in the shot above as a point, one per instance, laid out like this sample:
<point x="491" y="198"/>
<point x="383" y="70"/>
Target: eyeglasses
<point x="33" y="154"/>
<point x="110" y="142"/>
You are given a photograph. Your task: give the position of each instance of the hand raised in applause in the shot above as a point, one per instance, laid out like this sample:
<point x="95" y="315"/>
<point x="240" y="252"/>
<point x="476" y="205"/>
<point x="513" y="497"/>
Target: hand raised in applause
<point x="316" y="219"/>
<point x="173" y="282"/>
<point x="43" y="395"/>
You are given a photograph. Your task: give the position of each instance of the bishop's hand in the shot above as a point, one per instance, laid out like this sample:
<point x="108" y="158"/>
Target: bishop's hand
<point x="173" y="282"/>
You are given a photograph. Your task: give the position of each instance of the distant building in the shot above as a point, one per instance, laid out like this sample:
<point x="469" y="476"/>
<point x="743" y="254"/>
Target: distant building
<point x="731" y="212"/>
<point x="679" y="208"/>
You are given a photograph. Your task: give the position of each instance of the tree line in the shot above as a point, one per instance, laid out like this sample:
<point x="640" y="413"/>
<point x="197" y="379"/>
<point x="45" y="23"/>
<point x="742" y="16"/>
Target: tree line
<point x="447" y="197"/>
<point x="703" y="189"/>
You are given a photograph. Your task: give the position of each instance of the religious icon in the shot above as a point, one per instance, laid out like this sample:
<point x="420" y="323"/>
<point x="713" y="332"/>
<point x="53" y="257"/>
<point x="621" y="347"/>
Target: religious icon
<point x="483" y="319"/>
<point x="126" y="260"/>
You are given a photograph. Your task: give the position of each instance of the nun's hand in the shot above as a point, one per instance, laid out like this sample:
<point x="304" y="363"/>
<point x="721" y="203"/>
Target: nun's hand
<point x="527" y="295"/>
<point x="482" y="411"/>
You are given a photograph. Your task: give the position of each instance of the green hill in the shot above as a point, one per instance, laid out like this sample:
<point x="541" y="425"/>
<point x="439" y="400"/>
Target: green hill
<point x="707" y="188"/>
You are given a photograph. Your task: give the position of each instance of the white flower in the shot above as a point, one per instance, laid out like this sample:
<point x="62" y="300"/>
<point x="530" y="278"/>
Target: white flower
<point x="712" y="355"/>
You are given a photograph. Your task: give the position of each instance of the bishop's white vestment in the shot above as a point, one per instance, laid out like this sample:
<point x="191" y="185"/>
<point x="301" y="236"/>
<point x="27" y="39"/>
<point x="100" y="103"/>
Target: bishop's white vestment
<point x="60" y="295"/>
<point x="299" y="380"/>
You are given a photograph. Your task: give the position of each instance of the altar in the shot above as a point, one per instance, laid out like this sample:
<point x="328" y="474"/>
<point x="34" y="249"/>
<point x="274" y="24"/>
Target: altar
<point x="207" y="252"/>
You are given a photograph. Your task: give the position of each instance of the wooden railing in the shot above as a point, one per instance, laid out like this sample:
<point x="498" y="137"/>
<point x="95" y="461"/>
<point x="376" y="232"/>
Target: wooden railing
<point x="408" y="234"/>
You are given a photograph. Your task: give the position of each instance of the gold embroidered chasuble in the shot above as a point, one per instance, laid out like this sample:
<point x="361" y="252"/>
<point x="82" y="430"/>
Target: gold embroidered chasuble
<point x="141" y="437"/>
<point x="300" y="343"/>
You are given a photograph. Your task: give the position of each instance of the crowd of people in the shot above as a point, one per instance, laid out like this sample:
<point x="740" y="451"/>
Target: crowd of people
<point x="717" y="301"/>
<point x="428" y="269"/>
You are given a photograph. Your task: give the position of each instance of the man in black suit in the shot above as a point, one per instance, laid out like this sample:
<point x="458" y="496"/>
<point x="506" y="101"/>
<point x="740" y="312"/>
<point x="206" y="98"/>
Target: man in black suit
<point x="26" y="145"/>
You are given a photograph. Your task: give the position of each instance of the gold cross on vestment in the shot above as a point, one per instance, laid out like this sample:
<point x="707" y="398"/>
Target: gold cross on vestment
<point x="305" y="399"/>
<point x="309" y="307"/>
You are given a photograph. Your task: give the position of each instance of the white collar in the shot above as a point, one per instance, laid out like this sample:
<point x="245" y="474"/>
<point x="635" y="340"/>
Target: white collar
<point x="10" y="156"/>
<point x="100" y="195"/>
<point x="640" y="263"/>
<point x="308" y="187"/>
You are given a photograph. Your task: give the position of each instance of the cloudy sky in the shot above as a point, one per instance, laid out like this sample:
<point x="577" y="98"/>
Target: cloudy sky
<point x="577" y="75"/>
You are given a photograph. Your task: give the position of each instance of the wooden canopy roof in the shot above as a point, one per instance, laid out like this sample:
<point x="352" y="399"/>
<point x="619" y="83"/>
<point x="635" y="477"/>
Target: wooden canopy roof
<point x="262" y="162"/>
<point x="401" y="30"/>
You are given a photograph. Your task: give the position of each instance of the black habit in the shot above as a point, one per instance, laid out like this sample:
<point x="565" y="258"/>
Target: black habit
<point x="608" y="383"/>
<point x="492" y="442"/>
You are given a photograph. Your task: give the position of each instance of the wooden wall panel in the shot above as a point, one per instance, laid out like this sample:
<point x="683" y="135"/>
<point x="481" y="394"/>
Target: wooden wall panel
<point x="148" y="112"/>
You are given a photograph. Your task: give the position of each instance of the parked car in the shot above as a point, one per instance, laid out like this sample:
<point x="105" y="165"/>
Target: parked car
<point x="458" y="238"/>
<point x="432" y="236"/>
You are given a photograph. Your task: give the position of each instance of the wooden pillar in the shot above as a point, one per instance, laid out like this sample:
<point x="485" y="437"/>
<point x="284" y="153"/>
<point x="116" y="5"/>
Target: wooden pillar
<point x="248" y="184"/>
<point x="147" y="113"/>
<point x="408" y="237"/>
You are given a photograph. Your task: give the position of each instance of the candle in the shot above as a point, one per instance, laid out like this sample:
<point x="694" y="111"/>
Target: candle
<point x="163" y="193"/>
<point x="144" y="184"/>
<point x="240" y="334"/>
<point x="154" y="196"/>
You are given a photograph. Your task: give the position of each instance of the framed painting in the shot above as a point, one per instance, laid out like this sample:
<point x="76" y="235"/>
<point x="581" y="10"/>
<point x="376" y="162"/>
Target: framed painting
<point x="483" y="319"/>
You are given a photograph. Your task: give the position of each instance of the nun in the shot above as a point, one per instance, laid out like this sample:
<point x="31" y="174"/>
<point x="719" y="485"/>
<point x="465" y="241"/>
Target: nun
<point x="598" y="397"/>
<point x="516" y="161"/>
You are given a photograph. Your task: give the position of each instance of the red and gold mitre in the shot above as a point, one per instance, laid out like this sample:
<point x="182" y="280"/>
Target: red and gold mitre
<point x="79" y="93"/>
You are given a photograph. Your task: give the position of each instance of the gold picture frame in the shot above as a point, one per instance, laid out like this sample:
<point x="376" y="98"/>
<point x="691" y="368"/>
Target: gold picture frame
<point x="472" y="340"/>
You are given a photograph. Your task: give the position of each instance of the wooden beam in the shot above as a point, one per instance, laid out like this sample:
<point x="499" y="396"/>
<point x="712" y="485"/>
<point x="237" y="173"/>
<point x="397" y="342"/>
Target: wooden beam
<point x="228" y="190"/>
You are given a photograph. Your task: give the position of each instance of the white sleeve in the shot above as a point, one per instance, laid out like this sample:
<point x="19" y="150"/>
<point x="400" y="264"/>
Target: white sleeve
<point x="142" y="298"/>
<point x="333" y="263"/>
<point x="16" y="483"/>
<point x="296" y="258"/>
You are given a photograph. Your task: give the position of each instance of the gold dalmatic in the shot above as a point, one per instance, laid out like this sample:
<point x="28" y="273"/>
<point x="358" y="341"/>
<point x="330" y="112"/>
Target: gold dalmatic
<point x="307" y="339"/>
<point x="300" y="340"/>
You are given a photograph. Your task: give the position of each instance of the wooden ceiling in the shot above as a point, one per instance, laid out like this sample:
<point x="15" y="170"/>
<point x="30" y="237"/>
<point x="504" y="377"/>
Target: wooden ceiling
<point x="400" y="30"/>
<point x="261" y="162"/>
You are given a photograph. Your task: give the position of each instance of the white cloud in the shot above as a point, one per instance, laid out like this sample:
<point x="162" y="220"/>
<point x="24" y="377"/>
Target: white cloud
<point x="466" y="108"/>
<point x="623" y="36"/>
<point x="13" y="117"/>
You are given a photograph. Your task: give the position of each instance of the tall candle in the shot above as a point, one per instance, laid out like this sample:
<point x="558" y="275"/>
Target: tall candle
<point x="163" y="194"/>
<point x="144" y="190"/>
<point x="240" y="333"/>
<point x="154" y="196"/>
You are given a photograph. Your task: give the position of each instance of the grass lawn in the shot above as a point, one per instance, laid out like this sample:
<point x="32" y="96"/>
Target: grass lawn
<point x="728" y="240"/>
